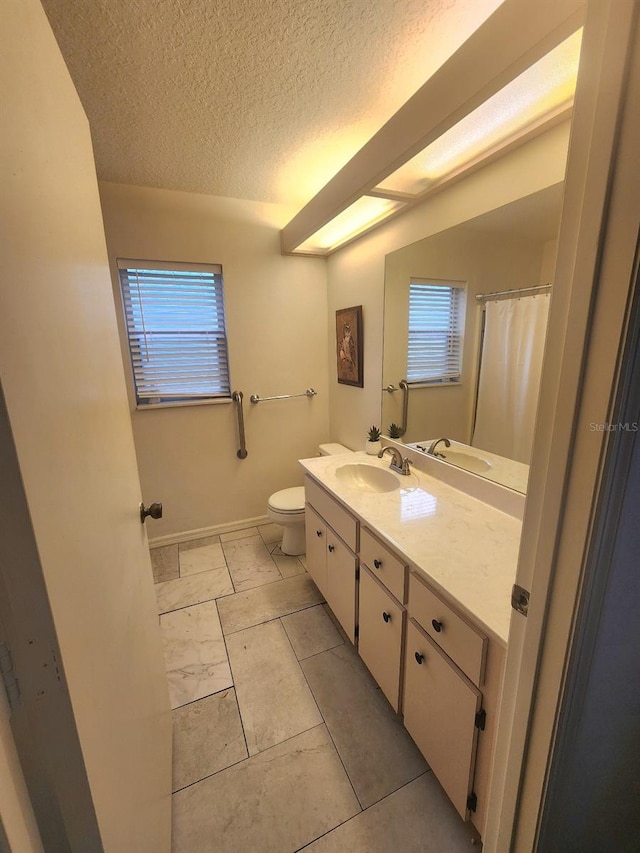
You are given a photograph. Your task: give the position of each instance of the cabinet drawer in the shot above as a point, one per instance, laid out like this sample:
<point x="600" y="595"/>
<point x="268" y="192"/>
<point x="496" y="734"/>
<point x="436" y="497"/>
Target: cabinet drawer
<point x="440" y="707"/>
<point x="383" y="564"/>
<point x="333" y="513"/>
<point x="464" y="644"/>
<point x="381" y="621"/>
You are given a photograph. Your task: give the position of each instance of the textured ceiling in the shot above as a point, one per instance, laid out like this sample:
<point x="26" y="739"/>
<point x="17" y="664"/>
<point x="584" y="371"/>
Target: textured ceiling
<point x="256" y="99"/>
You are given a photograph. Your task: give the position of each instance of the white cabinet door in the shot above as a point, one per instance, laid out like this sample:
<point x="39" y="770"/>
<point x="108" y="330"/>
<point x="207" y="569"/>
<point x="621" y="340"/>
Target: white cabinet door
<point x="341" y="583"/>
<point x="380" y="621"/>
<point x="440" y="705"/>
<point x="316" y="543"/>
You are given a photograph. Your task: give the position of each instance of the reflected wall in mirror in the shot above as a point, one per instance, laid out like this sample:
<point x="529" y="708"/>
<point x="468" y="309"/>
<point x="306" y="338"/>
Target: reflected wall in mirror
<point x="510" y="248"/>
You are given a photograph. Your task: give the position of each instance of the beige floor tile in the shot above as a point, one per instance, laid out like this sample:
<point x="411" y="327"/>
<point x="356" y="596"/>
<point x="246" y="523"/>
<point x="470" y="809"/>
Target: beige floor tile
<point x="275" y="802"/>
<point x="311" y="632"/>
<point x="195" y="653"/>
<point x="239" y="534"/>
<point x="274" y="698"/>
<point x="416" y="819"/>
<point x="164" y="562"/>
<point x="250" y="563"/>
<point x="264" y="603"/>
<point x="172" y="595"/>
<point x="303" y="560"/>
<point x="199" y="543"/>
<point x="207" y="737"/>
<point x="332" y="616"/>
<point x="288" y="566"/>
<point x="377" y="752"/>
<point x="270" y="533"/>
<point x="202" y="559"/>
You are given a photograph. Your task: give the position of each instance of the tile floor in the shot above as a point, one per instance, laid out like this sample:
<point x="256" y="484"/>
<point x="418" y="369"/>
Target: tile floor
<point x="282" y="741"/>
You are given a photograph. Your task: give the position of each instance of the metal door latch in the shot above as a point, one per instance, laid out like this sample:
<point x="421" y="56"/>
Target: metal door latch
<point x="520" y="599"/>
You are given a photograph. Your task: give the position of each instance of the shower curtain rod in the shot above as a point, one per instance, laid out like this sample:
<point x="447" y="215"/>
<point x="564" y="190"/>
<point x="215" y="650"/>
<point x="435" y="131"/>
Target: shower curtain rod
<point x="513" y="294"/>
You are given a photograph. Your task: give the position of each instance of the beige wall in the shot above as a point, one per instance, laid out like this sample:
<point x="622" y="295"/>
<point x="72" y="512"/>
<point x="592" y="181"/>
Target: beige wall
<point x="548" y="266"/>
<point x="276" y="317"/>
<point x="356" y="273"/>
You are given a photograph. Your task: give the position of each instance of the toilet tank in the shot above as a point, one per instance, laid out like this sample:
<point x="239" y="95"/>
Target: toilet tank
<point x="333" y="449"/>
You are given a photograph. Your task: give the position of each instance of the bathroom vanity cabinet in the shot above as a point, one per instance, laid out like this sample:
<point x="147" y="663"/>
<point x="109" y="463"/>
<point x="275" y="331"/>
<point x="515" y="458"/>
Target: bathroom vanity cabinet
<point x="331" y="560"/>
<point x="442" y="705"/>
<point x="382" y="615"/>
<point x="437" y="667"/>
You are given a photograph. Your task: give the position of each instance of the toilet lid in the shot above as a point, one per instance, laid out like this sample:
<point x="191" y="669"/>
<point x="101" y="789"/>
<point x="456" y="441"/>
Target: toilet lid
<point x="288" y="500"/>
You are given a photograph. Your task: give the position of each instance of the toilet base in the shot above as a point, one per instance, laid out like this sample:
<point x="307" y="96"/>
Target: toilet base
<point x="293" y="540"/>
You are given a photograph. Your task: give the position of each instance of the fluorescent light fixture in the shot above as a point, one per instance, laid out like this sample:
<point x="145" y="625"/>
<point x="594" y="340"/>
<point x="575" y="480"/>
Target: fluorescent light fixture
<point x="538" y="92"/>
<point x="362" y="214"/>
<point x="512" y="80"/>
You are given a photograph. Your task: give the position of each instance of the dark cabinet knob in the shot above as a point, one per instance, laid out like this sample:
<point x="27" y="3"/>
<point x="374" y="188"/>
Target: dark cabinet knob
<point x="419" y="658"/>
<point x="377" y="564"/>
<point x="155" y="511"/>
<point x="386" y="617"/>
<point x="318" y="532"/>
<point x="332" y="548"/>
<point x="437" y="626"/>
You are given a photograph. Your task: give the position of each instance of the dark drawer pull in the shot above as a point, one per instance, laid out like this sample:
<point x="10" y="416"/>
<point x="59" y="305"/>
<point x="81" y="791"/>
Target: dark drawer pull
<point x="419" y="658"/>
<point x="437" y="626"/>
<point x="318" y="532"/>
<point x="332" y="548"/>
<point x="377" y="564"/>
<point x="386" y="617"/>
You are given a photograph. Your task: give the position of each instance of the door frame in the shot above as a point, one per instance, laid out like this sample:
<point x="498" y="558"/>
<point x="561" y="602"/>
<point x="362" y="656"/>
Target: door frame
<point x="589" y="311"/>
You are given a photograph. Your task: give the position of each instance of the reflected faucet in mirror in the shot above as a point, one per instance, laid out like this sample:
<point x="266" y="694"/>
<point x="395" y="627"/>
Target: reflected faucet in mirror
<point x="432" y="447"/>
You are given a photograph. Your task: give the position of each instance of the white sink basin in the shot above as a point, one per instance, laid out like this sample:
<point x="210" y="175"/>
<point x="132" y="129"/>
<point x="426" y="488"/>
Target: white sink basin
<point x="367" y="478"/>
<point x="468" y="461"/>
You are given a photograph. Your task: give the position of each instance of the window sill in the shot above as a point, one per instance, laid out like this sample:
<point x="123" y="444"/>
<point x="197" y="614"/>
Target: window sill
<point x="179" y="404"/>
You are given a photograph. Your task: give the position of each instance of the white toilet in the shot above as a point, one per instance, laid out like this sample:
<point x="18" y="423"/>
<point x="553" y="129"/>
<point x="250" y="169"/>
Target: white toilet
<point x="286" y="508"/>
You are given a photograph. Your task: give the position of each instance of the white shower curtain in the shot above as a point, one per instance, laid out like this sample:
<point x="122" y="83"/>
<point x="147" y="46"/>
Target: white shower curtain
<point x="510" y="370"/>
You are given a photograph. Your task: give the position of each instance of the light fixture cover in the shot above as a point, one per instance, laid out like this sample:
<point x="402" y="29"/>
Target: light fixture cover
<point x="536" y="93"/>
<point x="362" y="214"/>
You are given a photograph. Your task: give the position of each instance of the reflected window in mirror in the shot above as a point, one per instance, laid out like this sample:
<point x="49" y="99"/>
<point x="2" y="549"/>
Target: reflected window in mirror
<point x="436" y="330"/>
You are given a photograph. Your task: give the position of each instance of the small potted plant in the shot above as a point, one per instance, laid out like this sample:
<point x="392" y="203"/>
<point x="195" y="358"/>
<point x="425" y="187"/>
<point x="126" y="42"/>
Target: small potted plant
<point x="373" y="446"/>
<point x="395" y="432"/>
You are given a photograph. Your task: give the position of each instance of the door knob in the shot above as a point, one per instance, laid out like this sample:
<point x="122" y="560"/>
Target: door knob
<point x="386" y="616"/>
<point x="155" y="511"/>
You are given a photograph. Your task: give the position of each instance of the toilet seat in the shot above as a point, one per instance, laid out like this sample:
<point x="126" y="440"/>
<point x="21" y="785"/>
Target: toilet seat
<point x="288" y="501"/>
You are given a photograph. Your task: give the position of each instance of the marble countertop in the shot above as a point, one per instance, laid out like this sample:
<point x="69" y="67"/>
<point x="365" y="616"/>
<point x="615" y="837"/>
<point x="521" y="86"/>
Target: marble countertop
<point x="465" y="548"/>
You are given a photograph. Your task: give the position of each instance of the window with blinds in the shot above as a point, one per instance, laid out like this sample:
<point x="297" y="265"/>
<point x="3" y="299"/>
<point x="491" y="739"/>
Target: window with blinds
<point x="174" y="315"/>
<point x="436" y="327"/>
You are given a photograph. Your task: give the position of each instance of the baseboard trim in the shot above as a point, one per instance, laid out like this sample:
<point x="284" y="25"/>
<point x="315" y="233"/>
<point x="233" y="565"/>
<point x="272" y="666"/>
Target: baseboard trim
<point x="203" y="532"/>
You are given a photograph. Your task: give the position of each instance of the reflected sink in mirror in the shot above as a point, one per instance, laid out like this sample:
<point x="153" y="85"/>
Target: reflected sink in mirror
<point x="468" y="461"/>
<point x="499" y="469"/>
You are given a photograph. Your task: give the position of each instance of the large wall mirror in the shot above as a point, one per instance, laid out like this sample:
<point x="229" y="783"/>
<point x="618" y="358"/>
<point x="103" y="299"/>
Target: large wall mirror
<point x="489" y="281"/>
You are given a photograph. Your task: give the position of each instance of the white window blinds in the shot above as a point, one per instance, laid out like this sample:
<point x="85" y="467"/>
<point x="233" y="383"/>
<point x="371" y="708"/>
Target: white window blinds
<point x="435" y="331"/>
<point x="176" y="330"/>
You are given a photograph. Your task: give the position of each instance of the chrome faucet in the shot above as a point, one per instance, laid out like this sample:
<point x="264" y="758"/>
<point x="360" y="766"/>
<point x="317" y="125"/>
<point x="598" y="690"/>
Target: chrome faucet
<point x="398" y="463"/>
<point x="432" y="447"/>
